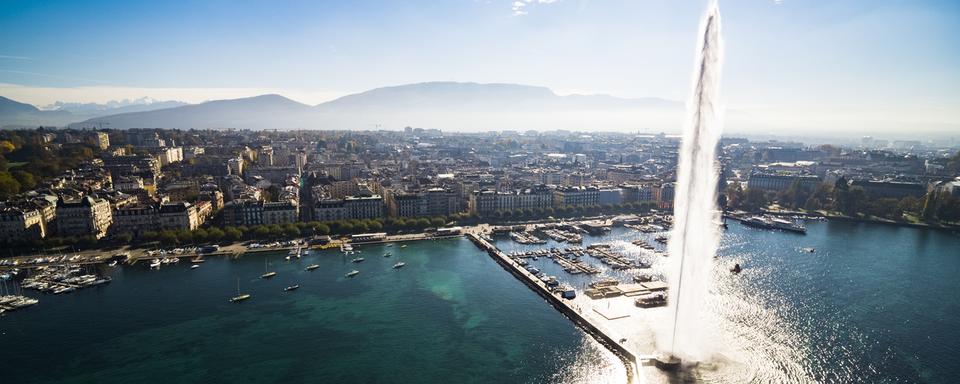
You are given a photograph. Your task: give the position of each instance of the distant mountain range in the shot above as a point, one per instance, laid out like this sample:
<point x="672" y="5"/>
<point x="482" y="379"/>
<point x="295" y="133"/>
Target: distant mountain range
<point x="15" y="114"/>
<point x="447" y="105"/>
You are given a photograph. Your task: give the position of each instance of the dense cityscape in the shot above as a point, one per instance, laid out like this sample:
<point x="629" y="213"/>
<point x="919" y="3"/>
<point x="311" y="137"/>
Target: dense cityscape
<point x="78" y="189"/>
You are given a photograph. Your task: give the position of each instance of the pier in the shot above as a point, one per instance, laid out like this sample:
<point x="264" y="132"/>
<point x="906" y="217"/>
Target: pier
<point x="568" y="308"/>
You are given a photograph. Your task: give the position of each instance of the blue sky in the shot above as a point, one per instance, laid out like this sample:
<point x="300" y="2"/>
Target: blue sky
<point x="832" y="60"/>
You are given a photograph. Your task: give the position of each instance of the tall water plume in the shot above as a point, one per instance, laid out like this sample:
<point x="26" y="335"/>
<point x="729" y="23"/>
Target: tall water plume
<point x="695" y="235"/>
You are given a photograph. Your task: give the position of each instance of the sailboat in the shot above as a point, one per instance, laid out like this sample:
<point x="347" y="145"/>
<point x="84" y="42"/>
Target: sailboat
<point x="266" y="274"/>
<point x="239" y="297"/>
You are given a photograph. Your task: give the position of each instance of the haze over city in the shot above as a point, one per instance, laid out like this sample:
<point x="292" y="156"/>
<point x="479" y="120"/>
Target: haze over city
<point x="845" y="68"/>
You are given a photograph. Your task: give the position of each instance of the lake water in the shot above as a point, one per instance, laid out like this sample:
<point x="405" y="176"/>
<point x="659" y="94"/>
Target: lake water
<point x="451" y="315"/>
<point x="872" y="304"/>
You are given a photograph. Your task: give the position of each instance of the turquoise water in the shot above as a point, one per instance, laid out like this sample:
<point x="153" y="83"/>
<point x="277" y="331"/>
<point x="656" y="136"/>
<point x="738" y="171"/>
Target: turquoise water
<point x="451" y="315"/>
<point x="872" y="304"/>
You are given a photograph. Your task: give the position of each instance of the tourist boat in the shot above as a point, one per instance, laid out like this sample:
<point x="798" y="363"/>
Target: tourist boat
<point x="774" y="223"/>
<point x="155" y="264"/>
<point x="239" y="297"/>
<point x="195" y="266"/>
<point x="357" y="259"/>
<point x="312" y="267"/>
<point x="399" y="265"/>
<point x="292" y="287"/>
<point x="266" y="274"/>
<point x="353" y="273"/>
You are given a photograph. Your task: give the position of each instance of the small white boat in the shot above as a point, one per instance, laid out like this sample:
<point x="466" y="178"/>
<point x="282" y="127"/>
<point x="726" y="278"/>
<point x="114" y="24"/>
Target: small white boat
<point x="353" y="273"/>
<point x="399" y="265"/>
<point x="292" y="287"/>
<point x="195" y="266"/>
<point x="239" y="297"/>
<point x="358" y="260"/>
<point x="112" y="264"/>
<point x="312" y="267"/>
<point x="155" y="264"/>
<point x="388" y="254"/>
<point x="266" y="274"/>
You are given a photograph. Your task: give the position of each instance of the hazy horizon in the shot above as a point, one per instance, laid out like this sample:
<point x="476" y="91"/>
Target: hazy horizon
<point x="841" y="68"/>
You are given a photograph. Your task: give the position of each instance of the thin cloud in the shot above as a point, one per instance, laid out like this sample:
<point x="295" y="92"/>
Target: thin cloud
<point x="9" y="57"/>
<point x="519" y="7"/>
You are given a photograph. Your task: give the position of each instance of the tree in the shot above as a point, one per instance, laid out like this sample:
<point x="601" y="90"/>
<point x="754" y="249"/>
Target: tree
<point x="200" y="235"/>
<point x="185" y="236"/>
<point x="168" y="238"/>
<point x="8" y="185"/>
<point x="261" y="232"/>
<point x="232" y="234"/>
<point x="6" y="147"/>
<point x="124" y="238"/>
<point x="291" y="231"/>
<point x="321" y="229"/>
<point x="26" y="179"/>
<point x="437" y="222"/>
<point x="215" y="235"/>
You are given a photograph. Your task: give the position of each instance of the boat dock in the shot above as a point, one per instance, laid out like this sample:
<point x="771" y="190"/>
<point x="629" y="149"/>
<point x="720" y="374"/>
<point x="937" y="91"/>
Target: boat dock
<point x="609" y="257"/>
<point x="567" y="258"/>
<point x="566" y="307"/>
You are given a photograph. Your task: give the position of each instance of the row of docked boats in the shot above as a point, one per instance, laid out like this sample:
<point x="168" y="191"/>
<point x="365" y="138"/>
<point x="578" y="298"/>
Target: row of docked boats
<point x="59" y="280"/>
<point x="561" y="236"/>
<point x="15" y="302"/>
<point x="526" y="238"/>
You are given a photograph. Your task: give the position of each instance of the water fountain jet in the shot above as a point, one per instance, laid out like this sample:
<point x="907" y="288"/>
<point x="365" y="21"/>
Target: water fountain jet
<point x="695" y="235"/>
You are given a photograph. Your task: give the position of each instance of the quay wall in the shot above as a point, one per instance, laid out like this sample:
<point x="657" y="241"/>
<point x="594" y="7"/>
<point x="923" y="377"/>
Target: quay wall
<point x="628" y="358"/>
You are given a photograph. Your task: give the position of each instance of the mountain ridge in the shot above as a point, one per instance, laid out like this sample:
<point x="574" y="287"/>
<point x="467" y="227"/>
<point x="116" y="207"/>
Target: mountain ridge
<point x="446" y="104"/>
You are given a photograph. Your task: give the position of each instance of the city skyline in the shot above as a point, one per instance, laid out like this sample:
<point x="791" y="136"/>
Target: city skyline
<point x="846" y="66"/>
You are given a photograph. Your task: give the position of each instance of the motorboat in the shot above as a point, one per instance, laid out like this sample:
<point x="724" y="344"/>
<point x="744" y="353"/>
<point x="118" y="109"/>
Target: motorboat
<point x="353" y="273"/>
<point x="195" y="266"/>
<point x="312" y="267"/>
<point x="399" y="265"/>
<point x="357" y="260"/>
<point x="292" y="287"/>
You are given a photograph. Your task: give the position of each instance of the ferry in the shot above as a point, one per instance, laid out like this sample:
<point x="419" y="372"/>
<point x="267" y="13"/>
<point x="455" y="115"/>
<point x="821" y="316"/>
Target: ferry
<point x="353" y="273"/>
<point x="774" y="223"/>
<point x="292" y="287"/>
<point x="312" y="267"/>
<point x="399" y="265"/>
<point x="357" y="260"/>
